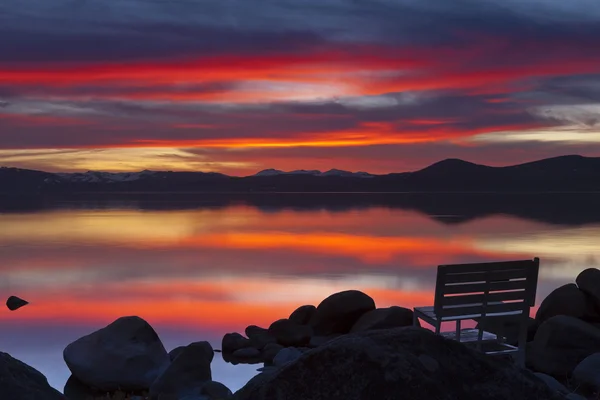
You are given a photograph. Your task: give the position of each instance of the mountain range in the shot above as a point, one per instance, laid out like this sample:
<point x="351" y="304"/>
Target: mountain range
<point x="565" y="173"/>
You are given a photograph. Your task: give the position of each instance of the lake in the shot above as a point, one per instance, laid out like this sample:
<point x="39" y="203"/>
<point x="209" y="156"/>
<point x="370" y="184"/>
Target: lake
<point x="198" y="267"/>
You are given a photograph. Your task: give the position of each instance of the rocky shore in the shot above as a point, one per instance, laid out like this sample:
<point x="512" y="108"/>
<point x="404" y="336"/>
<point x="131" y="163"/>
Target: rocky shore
<point x="344" y="348"/>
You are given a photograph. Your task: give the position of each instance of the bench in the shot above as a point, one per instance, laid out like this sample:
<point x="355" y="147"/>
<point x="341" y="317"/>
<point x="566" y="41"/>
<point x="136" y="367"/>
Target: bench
<point x="484" y="290"/>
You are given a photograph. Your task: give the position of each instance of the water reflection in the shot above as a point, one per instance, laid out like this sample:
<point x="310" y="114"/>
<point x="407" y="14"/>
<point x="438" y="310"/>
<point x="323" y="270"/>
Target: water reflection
<point x="197" y="272"/>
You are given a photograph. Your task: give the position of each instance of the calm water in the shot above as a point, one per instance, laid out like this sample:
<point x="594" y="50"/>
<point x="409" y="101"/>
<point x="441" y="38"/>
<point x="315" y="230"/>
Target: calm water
<point x="196" y="272"/>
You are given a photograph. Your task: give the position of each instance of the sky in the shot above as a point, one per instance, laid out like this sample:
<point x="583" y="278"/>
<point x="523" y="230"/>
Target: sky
<point x="237" y="86"/>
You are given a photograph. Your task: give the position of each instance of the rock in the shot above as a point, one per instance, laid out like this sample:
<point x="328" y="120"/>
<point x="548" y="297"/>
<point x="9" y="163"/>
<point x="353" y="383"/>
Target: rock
<point x="289" y="333"/>
<point x="247" y="352"/>
<point x="175" y="352"/>
<point x="574" y="396"/>
<point x="286" y="355"/>
<point x="589" y="282"/>
<point x="270" y="351"/>
<point x="188" y="372"/>
<point x="234" y="341"/>
<point x="317" y="341"/>
<point x="259" y="337"/>
<point x="552" y="383"/>
<point x="14" y="303"/>
<point x="340" y="311"/>
<point x="216" y="391"/>
<point x="560" y="344"/>
<point x="192" y="397"/>
<point x="384" y="318"/>
<point x="566" y="300"/>
<point x="126" y="355"/>
<point x="508" y="327"/>
<point x="19" y="381"/>
<point x="389" y="364"/>
<point x="303" y="314"/>
<point x="587" y="373"/>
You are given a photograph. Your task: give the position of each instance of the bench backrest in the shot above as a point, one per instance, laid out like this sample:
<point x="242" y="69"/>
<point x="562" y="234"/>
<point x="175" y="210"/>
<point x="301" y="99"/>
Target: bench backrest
<point x="486" y="288"/>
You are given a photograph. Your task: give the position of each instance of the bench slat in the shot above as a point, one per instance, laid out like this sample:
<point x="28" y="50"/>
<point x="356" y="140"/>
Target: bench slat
<point x="479" y="309"/>
<point x="495" y="297"/>
<point x="482" y="287"/>
<point x="504" y="275"/>
<point x="483" y="267"/>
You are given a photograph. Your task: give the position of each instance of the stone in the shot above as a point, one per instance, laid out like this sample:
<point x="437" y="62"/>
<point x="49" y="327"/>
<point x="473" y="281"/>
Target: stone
<point x="210" y="353"/>
<point x="270" y="351"/>
<point x="234" y="341"/>
<point x="247" y="352"/>
<point x="259" y="337"/>
<point x="14" y="303"/>
<point x="384" y="318"/>
<point x="317" y="341"/>
<point x="288" y="333"/>
<point x="560" y="344"/>
<point x="188" y="372"/>
<point x="552" y="383"/>
<point x="566" y="300"/>
<point x="587" y="372"/>
<point x="19" y="381"/>
<point x="303" y="314"/>
<point x="175" y="352"/>
<point x="216" y="391"/>
<point x="508" y="327"/>
<point x="340" y="311"/>
<point x="126" y="355"/>
<point x="286" y="355"/>
<point x="589" y="282"/>
<point x="388" y="364"/>
<point x="574" y="396"/>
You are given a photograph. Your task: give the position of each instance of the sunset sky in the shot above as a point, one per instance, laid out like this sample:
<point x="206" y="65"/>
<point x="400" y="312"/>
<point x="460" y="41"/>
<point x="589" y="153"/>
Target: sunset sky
<point x="237" y="86"/>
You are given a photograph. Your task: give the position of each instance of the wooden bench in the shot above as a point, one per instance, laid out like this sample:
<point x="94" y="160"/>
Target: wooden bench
<point x="479" y="291"/>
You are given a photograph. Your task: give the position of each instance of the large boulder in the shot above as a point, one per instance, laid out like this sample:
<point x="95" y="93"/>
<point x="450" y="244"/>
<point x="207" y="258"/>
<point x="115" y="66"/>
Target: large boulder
<point x="259" y="337"/>
<point x="508" y="327"/>
<point x="560" y="344"/>
<point x="286" y="356"/>
<point x="303" y="314"/>
<point x="210" y="353"/>
<point x="340" y="311"/>
<point x="19" y="381"/>
<point x="270" y="351"/>
<point x="552" y="383"/>
<point x="289" y="333"/>
<point x="566" y="300"/>
<point x="126" y="355"/>
<point x="407" y="363"/>
<point x="587" y="373"/>
<point x="186" y="374"/>
<point x="234" y="341"/>
<point x="589" y="282"/>
<point x="384" y="318"/>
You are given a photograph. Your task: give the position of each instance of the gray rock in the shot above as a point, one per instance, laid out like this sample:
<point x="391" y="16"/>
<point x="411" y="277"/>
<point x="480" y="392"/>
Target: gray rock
<point x="286" y="356"/>
<point x="560" y="344"/>
<point x="303" y="314"/>
<point x="248" y="352"/>
<point x="587" y="373"/>
<point x="259" y="337"/>
<point x="388" y="365"/>
<point x="553" y="383"/>
<point x="186" y="374"/>
<point x="589" y="282"/>
<point x="234" y="341"/>
<point x="384" y="318"/>
<point x="340" y="311"/>
<point x="270" y="351"/>
<point x="566" y="300"/>
<point x="216" y="391"/>
<point x="14" y="303"/>
<point x="19" y="381"/>
<point x="289" y="333"/>
<point x="126" y="355"/>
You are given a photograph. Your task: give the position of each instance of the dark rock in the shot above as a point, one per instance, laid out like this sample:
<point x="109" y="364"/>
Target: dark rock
<point x="303" y="314"/>
<point x="389" y="365"/>
<point x="247" y="352"/>
<point x="560" y="344"/>
<point x="589" y="282"/>
<point x="508" y="327"/>
<point x="587" y="373"/>
<point x="216" y="391"/>
<point x="384" y="318"/>
<point x="259" y="337"/>
<point x="19" y="381"/>
<point x="14" y="303"/>
<point x="317" y="341"/>
<point x="126" y="355"/>
<point x="186" y="374"/>
<point x="175" y="352"/>
<point x="552" y="383"/>
<point x="289" y="333"/>
<point x="566" y="300"/>
<point x="234" y="341"/>
<point x="270" y="351"/>
<point x="286" y="355"/>
<point x="340" y="311"/>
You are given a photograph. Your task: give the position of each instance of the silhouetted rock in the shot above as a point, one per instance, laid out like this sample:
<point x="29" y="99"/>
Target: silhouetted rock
<point x="259" y="337"/>
<point x="384" y="318"/>
<point x="185" y="375"/>
<point x="175" y="352"/>
<point x="126" y="355"/>
<point x="566" y="300"/>
<point x="303" y="314"/>
<point x="289" y="333"/>
<point x="560" y="344"/>
<point x="407" y="363"/>
<point x="508" y="327"/>
<point x="246" y="352"/>
<point x="216" y="391"/>
<point x="589" y="282"/>
<point x="340" y="311"/>
<point x="270" y="351"/>
<point x="14" y="303"/>
<point x="234" y="341"/>
<point x="286" y="356"/>
<point x="19" y="381"/>
<point x="587" y="373"/>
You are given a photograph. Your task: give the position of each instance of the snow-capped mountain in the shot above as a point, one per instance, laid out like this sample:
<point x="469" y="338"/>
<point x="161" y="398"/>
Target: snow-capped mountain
<point x="104" y="177"/>
<point x="331" y="172"/>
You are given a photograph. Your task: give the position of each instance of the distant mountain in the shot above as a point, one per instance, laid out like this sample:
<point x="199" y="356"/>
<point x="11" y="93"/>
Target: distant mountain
<point x="566" y="173"/>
